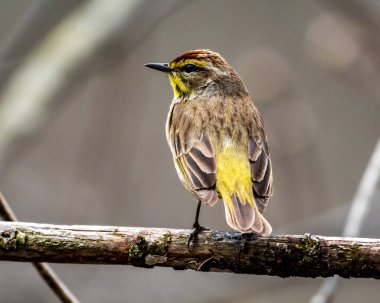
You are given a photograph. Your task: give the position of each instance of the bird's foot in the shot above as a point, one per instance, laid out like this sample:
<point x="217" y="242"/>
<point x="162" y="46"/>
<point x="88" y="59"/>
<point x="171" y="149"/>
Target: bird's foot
<point x="194" y="233"/>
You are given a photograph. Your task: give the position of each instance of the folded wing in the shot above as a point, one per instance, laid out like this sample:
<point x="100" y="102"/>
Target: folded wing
<point x="261" y="170"/>
<point x="195" y="161"/>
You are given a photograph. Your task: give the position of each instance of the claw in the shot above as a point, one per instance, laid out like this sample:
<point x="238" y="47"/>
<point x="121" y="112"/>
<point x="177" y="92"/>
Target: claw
<point x="196" y="230"/>
<point x="243" y="243"/>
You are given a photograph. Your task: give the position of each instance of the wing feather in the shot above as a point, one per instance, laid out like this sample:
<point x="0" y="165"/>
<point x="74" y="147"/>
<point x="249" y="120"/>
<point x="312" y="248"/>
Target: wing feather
<point x="198" y="176"/>
<point x="195" y="157"/>
<point x="261" y="169"/>
<point x="205" y="163"/>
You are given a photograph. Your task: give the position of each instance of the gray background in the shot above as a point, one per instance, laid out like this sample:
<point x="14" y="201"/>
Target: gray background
<point x="102" y="158"/>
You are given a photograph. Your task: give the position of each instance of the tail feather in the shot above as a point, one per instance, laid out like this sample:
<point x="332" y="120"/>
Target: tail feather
<point x="208" y="196"/>
<point x="245" y="217"/>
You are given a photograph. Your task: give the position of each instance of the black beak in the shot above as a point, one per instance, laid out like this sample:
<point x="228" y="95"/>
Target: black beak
<point x="163" y="67"/>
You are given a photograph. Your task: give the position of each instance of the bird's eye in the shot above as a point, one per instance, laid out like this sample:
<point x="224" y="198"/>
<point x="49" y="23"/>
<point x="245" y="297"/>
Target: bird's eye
<point x="188" y="68"/>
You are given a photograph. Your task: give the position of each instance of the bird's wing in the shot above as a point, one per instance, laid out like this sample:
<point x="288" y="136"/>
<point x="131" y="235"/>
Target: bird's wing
<point x="261" y="168"/>
<point x="195" y="160"/>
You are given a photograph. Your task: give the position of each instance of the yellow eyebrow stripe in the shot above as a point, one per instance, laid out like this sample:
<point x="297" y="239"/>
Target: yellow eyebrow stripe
<point x="184" y="62"/>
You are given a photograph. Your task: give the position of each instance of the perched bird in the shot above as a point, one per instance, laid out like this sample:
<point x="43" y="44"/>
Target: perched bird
<point x="217" y="139"/>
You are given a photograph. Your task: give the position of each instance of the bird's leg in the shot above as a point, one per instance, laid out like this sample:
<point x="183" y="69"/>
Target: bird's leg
<point x="197" y="228"/>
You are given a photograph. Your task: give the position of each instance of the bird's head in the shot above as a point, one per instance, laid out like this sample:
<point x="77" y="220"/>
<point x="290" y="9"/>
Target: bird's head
<point x="198" y="73"/>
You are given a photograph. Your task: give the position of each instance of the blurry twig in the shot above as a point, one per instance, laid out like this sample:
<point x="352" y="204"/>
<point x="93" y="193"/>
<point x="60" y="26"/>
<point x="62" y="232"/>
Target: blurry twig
<point x="46" y="272"/>
<point x="364" y="68"/>
<point x="363" y="195"/>
<point x="26" y="100"/>
<point x="6" y="211"/>
<point x="26" y="19"/>
<point x="359" y="207"/>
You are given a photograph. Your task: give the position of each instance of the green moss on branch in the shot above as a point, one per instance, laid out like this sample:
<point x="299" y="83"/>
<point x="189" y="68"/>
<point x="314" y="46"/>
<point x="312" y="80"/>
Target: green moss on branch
<point x="284" y="256"/>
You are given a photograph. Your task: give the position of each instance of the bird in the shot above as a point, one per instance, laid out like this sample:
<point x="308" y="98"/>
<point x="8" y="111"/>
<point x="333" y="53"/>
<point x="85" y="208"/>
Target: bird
<point x="217" y="138"/>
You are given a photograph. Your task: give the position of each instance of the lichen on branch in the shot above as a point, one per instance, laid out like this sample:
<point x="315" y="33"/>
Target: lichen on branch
<point x="214" y="251"/>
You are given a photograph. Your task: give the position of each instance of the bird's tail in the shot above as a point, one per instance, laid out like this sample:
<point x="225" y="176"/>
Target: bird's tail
<point x="244" y="216"/>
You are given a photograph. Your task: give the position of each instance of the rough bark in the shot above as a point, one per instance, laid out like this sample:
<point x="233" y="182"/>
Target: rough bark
<point x="277" y="255"/>
<point x="46" y="272"/>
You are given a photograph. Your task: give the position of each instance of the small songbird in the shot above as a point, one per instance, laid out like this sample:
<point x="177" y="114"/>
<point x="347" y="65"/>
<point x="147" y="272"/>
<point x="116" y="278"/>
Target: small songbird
<point x="217" y="139"/>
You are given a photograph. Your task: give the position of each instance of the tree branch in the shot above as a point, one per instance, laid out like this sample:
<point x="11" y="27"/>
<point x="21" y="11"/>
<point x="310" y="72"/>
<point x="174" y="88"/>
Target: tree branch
<point x="359" y="207"/>
<point x="278" y="255"/>
<point x="45" y="271"/>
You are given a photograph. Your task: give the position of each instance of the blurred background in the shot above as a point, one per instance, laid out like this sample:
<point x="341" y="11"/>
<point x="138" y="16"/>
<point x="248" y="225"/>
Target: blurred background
<point x="82" y="136"/>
